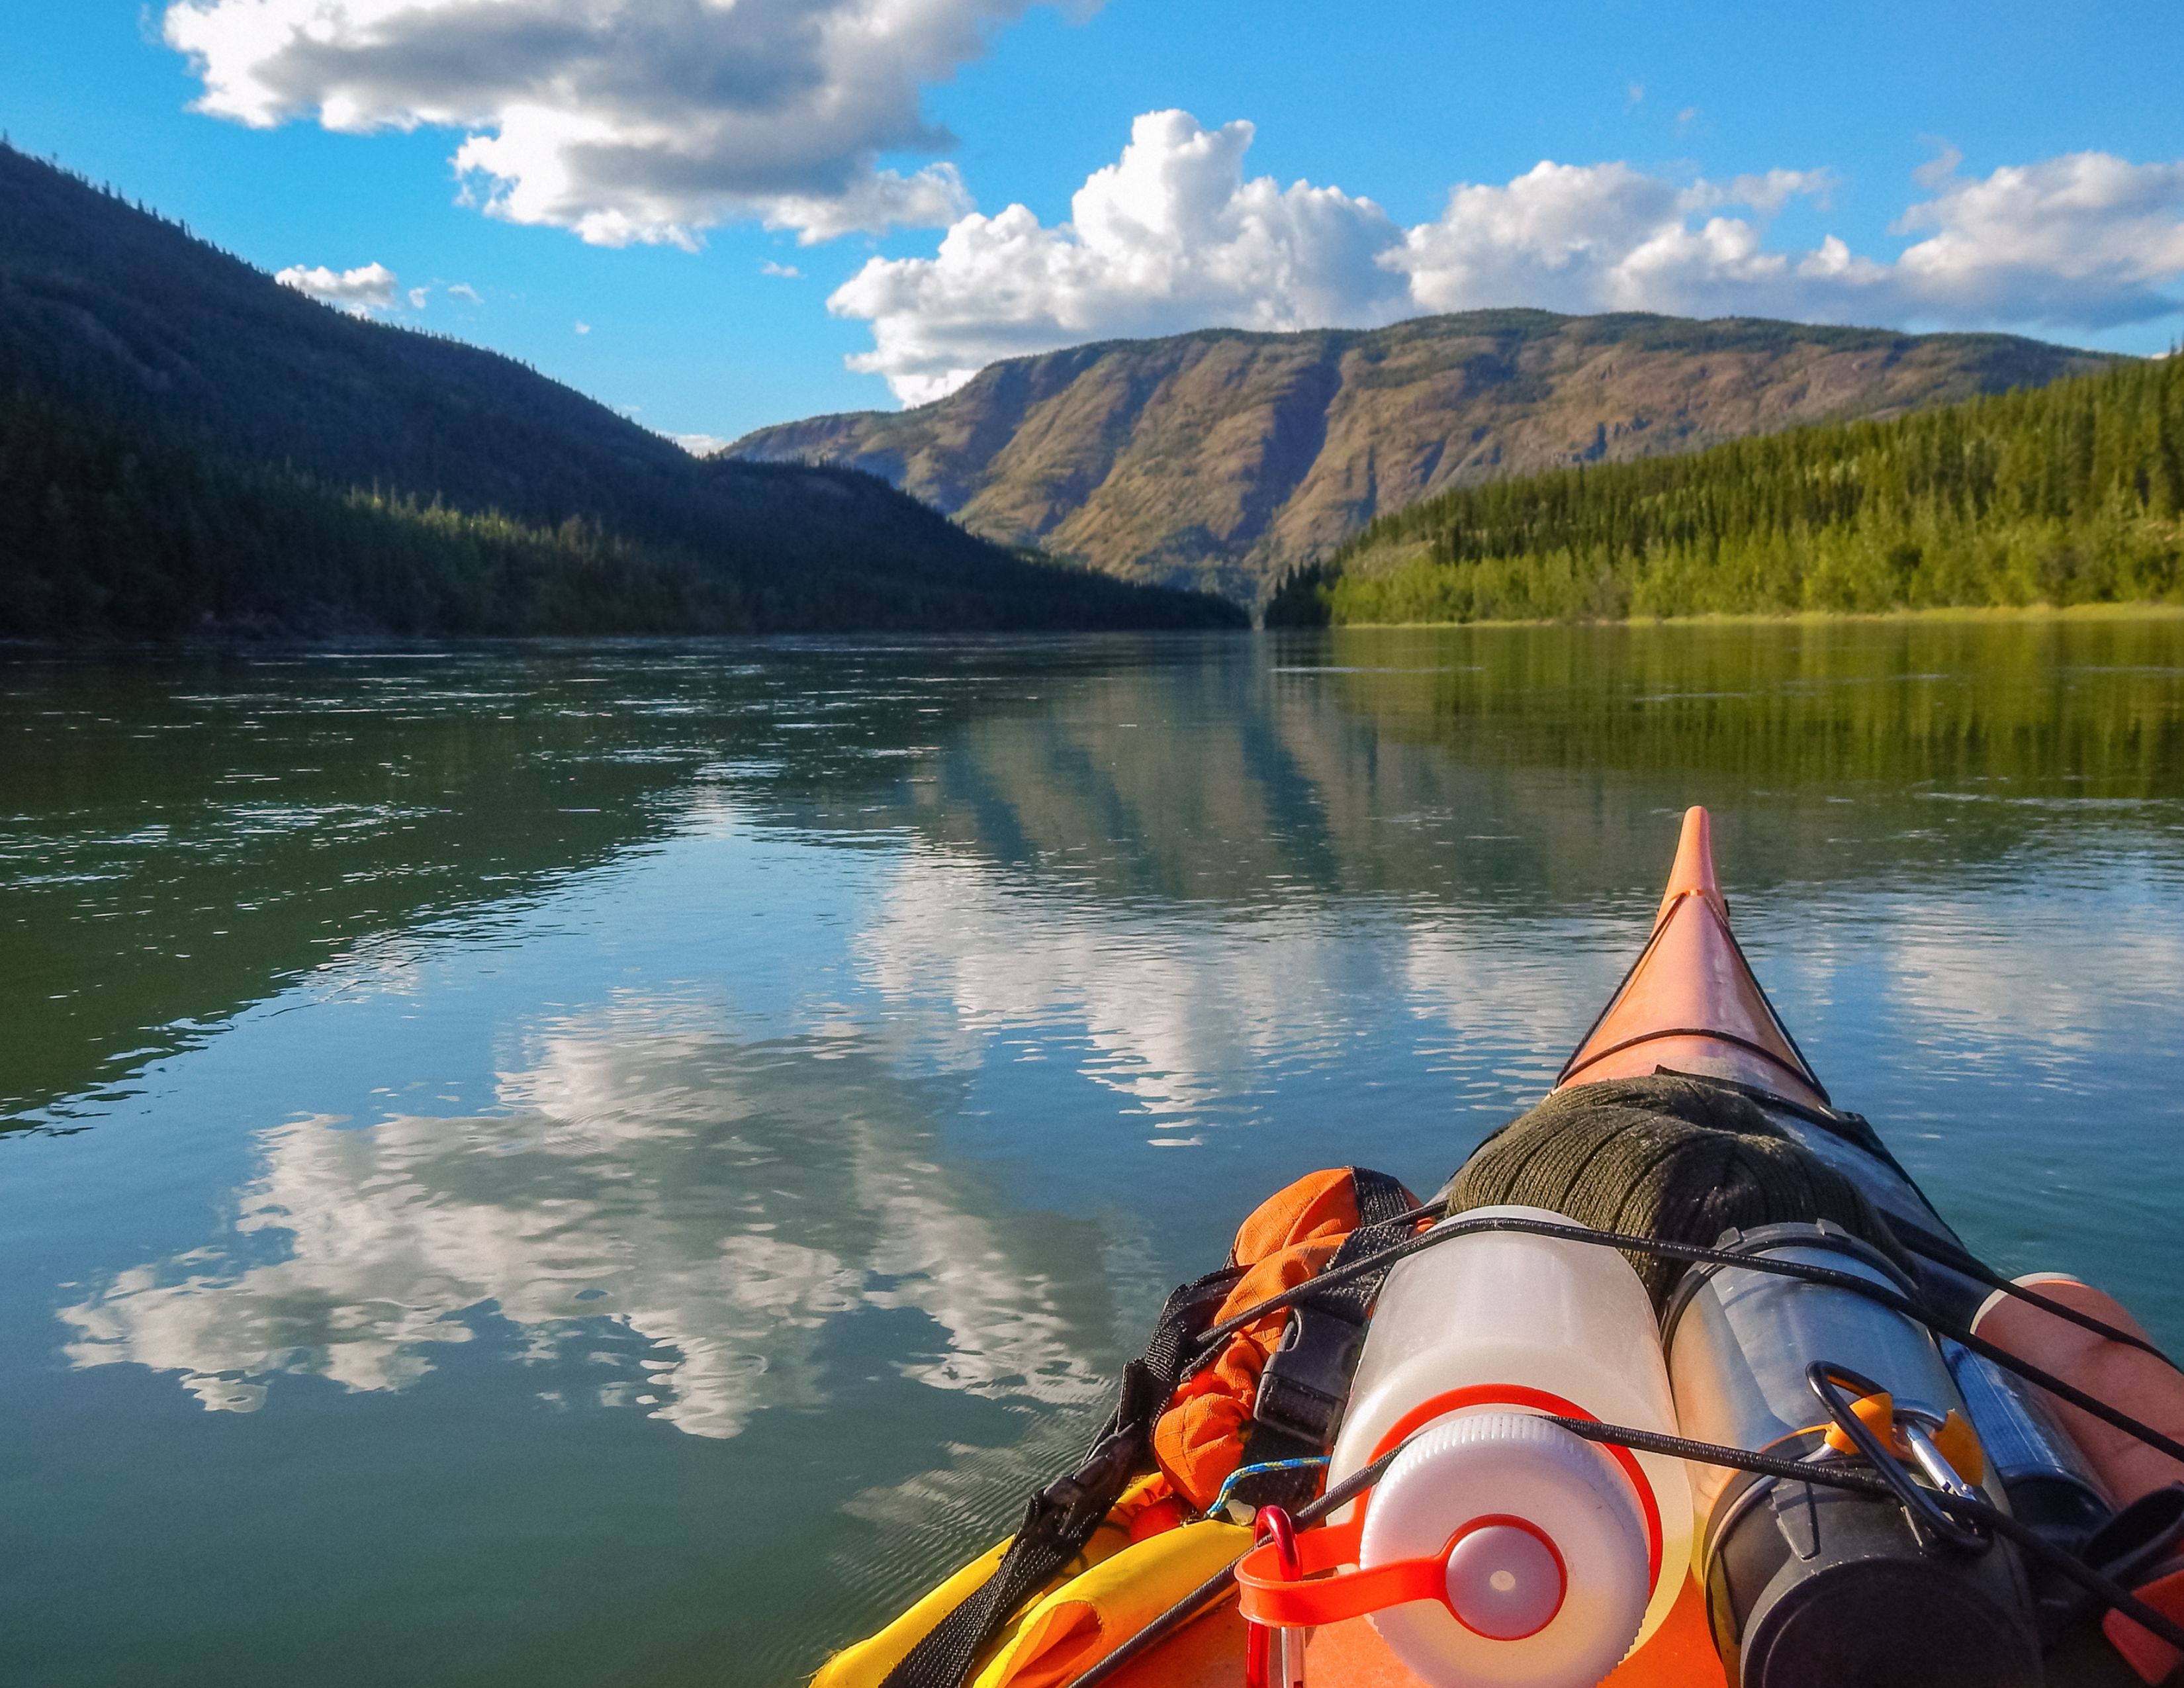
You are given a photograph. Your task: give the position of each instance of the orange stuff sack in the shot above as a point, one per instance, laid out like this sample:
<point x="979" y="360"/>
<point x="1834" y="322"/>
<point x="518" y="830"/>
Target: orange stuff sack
<point x="1199" y="1440"/>
<point x="2123" y="1376"/>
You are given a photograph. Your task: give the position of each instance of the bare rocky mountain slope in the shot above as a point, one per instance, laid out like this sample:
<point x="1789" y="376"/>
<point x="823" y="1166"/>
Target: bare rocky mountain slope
<point x="1222" y="460"/>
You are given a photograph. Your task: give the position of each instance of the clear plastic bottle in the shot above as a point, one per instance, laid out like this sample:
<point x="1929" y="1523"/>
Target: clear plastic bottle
<point x="1495" y="1326"/>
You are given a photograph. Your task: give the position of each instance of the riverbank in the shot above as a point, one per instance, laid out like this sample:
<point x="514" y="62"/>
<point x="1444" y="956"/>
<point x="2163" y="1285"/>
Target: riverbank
<point x="2156" y="611"/>
<point x="2069" y="495"/>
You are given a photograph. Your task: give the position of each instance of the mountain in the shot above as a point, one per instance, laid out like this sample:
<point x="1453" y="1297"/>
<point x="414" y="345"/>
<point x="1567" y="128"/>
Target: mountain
<point x="2071" y="493"/>
<point x="1224" y="459"/>
<point x="184" y="442"/>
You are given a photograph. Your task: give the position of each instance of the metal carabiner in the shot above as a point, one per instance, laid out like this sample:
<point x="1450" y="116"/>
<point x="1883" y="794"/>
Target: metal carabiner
<point x="1827" y="1381"/>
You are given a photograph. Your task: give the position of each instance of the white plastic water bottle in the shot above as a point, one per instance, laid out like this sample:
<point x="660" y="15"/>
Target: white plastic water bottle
<point x="1566" y="1554"/>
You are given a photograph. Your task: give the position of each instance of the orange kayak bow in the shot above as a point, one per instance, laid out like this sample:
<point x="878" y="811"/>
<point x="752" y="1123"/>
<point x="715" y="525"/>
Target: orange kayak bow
<point x="1690" y="1003"/>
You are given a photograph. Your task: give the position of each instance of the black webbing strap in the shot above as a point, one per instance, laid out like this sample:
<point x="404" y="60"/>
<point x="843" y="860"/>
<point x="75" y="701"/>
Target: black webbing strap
<point x="1060" y="1519"/>
<point x="1306" y="1382"/>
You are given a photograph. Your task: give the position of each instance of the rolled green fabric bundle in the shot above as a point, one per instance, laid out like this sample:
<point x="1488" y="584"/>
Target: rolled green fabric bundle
<point x="1674" y="1158"/>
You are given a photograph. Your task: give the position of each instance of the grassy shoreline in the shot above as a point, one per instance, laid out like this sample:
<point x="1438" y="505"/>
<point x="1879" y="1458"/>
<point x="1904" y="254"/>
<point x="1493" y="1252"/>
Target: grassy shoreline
<point x="2151" y="611"/>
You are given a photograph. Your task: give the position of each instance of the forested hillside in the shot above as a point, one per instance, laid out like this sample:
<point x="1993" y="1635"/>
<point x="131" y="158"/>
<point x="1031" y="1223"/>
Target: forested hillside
<point x="1223" y="459"/>
<point x="2069" y="494"/>
<point x="103" y="529"/>
<point x="185" y="443"/>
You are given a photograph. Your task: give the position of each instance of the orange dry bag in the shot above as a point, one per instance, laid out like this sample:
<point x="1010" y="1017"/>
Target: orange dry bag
<point x="1105" y="1547"/>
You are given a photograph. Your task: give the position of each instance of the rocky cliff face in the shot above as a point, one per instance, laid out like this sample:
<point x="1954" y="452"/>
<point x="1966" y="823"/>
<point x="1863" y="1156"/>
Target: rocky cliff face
<point x="1222" y="458"/>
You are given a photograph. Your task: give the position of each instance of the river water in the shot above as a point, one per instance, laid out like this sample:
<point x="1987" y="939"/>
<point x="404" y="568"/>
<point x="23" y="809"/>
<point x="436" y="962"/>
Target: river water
<point x="583" y="1165"/>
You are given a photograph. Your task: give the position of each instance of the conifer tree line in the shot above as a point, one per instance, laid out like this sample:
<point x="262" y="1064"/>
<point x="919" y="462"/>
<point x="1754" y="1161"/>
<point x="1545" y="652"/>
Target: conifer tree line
<point x="2067" y="495"/>
<point x="105" y="532"/>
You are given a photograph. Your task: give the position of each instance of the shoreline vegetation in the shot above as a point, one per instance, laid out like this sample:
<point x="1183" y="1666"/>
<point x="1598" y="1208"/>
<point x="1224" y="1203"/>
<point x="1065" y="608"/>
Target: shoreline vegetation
<point x="2066" y="496"/>
<point x="2111" y="610"/>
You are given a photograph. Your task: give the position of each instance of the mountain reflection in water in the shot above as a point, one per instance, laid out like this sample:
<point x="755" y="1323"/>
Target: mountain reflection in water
<point x="576" y="1164"/>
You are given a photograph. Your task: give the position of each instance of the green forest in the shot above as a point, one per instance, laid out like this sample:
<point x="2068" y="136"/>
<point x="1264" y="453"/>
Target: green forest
<point x="101" y="529"/>
<point x="110" y="530"/>
<point x="2067" y="495"/>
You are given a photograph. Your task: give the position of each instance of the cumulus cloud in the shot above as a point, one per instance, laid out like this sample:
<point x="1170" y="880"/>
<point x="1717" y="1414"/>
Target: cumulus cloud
<point x="368" y="288"/>
<point x="466" y="292"/>
<point x="1169" y="237"/>
<point x="1174" y="236"/>
<point x="2086" y="240"/>
<point x="1607" y="236"/>
<point x="625" y="121"/>
<point x="699" y="445"/>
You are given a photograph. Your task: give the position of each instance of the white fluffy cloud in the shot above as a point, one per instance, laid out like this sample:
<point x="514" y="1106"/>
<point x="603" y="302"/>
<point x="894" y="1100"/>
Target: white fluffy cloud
<point x="1174" y="236"/>
<point x="2088" y="239"/>
<point x="1605" y="238"/>
<point x="624" y="120"/>
<point x="368" y="287"/>
<point x="1170" y="237"/>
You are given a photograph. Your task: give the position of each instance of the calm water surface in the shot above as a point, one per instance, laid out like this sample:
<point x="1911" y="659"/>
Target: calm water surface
<point x="583" y="1166"/>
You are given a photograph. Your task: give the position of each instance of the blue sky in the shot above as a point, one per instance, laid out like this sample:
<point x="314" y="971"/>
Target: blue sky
<point x="626" y="157"/>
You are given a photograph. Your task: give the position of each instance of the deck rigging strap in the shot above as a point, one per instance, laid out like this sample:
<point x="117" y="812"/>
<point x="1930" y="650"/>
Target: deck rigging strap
<point x="1882" y="1295"/>
<point x="1060" y="1519"/>
<point x="1306" y="1382"/>
<point x="2092" y="1578"/>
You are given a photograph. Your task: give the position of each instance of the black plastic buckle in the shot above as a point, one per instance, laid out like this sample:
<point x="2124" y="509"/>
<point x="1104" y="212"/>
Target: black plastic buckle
<point x="1306" y="1382"/>
<point x="1091" y="1489"/>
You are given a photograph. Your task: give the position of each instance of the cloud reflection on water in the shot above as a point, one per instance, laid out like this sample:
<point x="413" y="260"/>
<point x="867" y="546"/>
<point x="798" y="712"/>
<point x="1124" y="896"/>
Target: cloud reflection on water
<point x="1174" y="1017"/>
<point x="721" y="1201"/>
<point x="649" y="1174"/>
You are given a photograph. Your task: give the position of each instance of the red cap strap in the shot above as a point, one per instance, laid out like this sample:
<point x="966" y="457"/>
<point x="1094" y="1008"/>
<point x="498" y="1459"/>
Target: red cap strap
<point x="1270" y="1598"/>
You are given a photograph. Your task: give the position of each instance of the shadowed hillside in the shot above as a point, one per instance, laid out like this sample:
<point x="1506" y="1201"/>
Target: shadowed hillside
<point x="183" y="442"/>
<point x="1222" y="458"/>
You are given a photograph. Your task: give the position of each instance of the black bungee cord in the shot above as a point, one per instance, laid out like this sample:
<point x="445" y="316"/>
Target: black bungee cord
<point x="1218" y="1587"/>
<point x="1969" y="1508"/>
<point x="1692" y="1254"/>
<point x="1971" y="1265"/>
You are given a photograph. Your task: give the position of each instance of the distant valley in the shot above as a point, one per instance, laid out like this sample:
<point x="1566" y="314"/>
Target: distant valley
<point x="1223" y="460"/>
